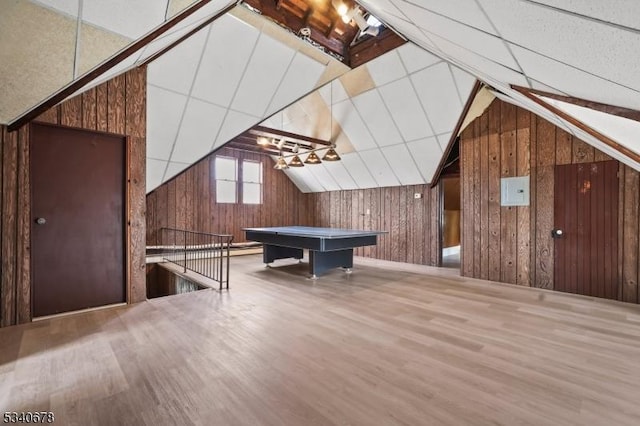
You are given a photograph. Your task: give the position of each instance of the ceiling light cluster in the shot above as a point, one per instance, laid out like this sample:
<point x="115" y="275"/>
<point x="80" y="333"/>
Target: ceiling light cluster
<point x="312" y="158"/>
<point x="367" y="24"/>
<point x="290" y="147"/>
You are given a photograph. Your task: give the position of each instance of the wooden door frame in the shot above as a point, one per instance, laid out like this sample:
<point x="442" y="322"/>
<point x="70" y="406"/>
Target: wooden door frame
<point x="126" y="216"/>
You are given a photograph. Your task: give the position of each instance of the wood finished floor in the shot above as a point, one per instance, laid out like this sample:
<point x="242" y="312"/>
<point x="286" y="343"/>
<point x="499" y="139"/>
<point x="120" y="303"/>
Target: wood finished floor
<point x="377" y="347"/>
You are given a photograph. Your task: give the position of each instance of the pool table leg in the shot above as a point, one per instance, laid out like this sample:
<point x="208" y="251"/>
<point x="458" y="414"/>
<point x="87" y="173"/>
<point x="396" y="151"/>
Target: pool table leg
<point x="322" y="261"/>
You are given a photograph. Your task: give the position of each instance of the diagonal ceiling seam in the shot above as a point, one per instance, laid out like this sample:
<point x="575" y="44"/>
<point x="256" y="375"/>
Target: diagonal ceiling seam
<point x="235" y="92"/>
<point x="186" y="105"/>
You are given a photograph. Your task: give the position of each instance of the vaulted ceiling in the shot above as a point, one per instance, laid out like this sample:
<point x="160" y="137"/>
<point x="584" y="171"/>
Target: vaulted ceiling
<point x="582" y="49"/>
<point x="393" y="118"/>
<point x="390" y="118"/>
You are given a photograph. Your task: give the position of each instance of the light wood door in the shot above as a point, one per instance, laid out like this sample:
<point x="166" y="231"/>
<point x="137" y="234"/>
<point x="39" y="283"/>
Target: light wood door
<point x="78" y="184"/>
<point x="586" y="229"/>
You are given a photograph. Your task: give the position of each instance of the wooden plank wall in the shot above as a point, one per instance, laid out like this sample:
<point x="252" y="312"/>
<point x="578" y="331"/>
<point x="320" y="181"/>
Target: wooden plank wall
<point x="189" y="201"/>
<point x="514" y="243"/>
<point x="117" y="106"/>
<point x="412" y="224"/>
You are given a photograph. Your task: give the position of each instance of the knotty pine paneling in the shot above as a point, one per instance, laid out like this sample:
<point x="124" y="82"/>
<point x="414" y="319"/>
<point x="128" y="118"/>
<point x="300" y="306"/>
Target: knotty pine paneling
<point x="118" y="106"/>
<point x="189" y="201"/>
<point x="412" y="223"/>
<point x="515" y="244"/>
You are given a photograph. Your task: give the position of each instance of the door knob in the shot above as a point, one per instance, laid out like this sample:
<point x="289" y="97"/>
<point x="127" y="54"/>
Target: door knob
<point x="557" y="233"/>
<point x="41" y="221"/>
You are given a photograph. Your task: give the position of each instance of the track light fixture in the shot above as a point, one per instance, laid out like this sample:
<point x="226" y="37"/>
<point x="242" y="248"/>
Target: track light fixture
<point x="366" y="25"/>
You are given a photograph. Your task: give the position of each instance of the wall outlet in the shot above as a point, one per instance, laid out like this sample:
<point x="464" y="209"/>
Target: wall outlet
<point x="368" y="211"/>
<point x="417" y="195"/>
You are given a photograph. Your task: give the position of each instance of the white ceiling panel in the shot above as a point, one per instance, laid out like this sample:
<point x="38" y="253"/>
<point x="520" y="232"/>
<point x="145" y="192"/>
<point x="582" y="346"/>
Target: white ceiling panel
<point x="416" y="58"/>
<point x="202" y="14"/>
<point x="234" y="123"/>
<point x="353" y="126"/>
<point x="340" y="173"/>
<point x="386" y="68"/>
<point x="296" y="176"/>
<point x="265" y="72"/>
<point x="534" y="84"/>
<point x="302" y="76"/>
<point x="401" y="100"/>
<point x="323" y="176"/>
<point x="198" y="129"/>
<point x="620" y="129"/>
<point x="576" y="82"/>
<point x="464" y="11"/>
<point x="414" y="33"/>
<point x="464" y="82"/>
<point x="482" y="43"/>
<point x="334" y="92"/>
<point x="307" y="178"/>
<point x="483" y="68"/>
<point x="167" y="39"/>
<point x="274" y="122"/>
<point x="123" y="66"/>
<point x="443" y="140"/>
<point x="173" y="169"/>
<point x="377" y="117"/>
<point x="129" y="18"/>
<point x="69" y="7"/>
<point x="583" y="43"/>
<point x="439" y="96"/>
<point x="402" y="164"/>
<point x="427" y="154"/>
<point x="384" y="5"/>
<point x="625" y="13"/>
<point x="155" y="171"/>
<point x="223" y="63"/>
<point x="164" y="112"/>
<point x="358" y="171"/>
<point x="379" y="168"/>
<point x="176" y="69"/>
<point x="292" y="114"/>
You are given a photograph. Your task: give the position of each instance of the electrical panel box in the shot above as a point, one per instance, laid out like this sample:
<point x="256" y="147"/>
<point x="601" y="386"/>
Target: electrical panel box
<point x="514" y="191"/>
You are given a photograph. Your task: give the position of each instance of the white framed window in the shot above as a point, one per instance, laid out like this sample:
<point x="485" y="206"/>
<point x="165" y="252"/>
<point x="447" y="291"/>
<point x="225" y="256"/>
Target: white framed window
<point x="251" y="182"/>
<point x="226" y="180"/>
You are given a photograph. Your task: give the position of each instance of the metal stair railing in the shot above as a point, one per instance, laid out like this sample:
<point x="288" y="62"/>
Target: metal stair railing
<point x="203" y="253"/>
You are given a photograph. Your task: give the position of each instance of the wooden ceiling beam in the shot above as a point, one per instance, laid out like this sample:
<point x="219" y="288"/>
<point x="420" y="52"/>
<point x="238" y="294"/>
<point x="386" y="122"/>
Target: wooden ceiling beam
<point x="293" y="137"/>
<point x="252" y="139"/>
<point x="78" y="84"/>
<point x="452" y="140"/>
<point x="579" y="124"/>
<point x="250" y="145"/>
<point x="189" y="34"/>
<point x="249" y="148"/>
<point x="631" y="114"/>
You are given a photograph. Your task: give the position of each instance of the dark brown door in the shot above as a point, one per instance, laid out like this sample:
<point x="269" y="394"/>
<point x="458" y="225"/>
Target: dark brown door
<point x="77" y="213"/>
<point x="586" y="229"/>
